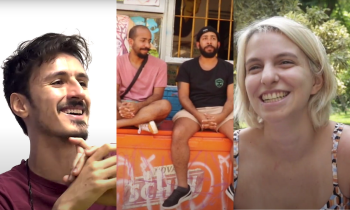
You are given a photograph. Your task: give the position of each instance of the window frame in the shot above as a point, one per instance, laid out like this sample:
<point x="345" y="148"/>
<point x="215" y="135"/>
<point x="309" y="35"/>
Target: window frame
<point x="168" y="37"/>
<point x="141" y="8"/>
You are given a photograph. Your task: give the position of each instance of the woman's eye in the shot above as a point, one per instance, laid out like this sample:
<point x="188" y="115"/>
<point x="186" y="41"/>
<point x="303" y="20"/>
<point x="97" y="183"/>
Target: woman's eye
<point x="253" y="68"/>
<point x="287" y="62"/>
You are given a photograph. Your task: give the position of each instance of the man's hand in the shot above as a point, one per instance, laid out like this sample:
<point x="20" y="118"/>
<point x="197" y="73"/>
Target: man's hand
<point x="132" y="107"/>
<point x="128" y="110"/>
<point x="202" y="119"/>
<point x="79" y="160"/>
<point x="96" y="182"/>
<point x="213" y="120"/>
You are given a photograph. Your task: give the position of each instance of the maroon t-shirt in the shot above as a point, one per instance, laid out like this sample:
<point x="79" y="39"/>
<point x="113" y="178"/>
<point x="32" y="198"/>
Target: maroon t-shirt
<point x="14" y="191"/>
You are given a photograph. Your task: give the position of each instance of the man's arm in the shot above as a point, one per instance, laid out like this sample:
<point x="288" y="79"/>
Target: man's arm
<point x="184" y="98"/>
<point x="119" y="101"/>
<point x="158" y="93"/>
<point x="228" y="106"/>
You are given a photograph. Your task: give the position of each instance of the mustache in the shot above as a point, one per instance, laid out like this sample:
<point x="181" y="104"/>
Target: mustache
<point x="148" y="49"/>
<point x="209" y="46"/>
<point x="73" y="103"/>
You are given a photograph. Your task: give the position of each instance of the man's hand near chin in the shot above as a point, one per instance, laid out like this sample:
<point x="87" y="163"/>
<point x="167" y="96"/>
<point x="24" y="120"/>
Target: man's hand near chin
<point x="92" y="179"/>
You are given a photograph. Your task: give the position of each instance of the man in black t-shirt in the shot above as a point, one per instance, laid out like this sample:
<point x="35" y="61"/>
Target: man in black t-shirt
<point x="205" y="86"/>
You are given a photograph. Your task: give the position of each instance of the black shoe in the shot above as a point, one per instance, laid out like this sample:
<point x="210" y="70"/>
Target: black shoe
<point x="229" y="192"/>
<point x="176" y="198"/>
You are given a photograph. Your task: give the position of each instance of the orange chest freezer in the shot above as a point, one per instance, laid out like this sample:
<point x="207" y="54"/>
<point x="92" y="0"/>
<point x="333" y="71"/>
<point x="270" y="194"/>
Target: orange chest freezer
<point x="146" y="176"/>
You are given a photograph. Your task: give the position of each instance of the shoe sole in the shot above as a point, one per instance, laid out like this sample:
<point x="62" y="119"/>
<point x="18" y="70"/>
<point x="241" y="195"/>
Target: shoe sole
<point x="229" y="193"/>
<point x="153" y="128"/>
<point x="181" y="200"/>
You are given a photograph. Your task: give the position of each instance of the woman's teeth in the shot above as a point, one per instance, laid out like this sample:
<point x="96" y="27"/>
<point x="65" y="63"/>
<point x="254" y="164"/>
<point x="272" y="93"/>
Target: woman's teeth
<point x="274" y="97"/>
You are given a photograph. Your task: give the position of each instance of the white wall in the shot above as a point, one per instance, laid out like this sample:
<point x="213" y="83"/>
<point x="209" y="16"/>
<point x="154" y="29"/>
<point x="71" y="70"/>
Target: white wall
<point x="96" y="20"/>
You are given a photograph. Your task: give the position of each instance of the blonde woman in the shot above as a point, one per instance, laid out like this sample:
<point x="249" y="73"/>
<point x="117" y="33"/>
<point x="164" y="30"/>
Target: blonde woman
<point x="291" y="155"/>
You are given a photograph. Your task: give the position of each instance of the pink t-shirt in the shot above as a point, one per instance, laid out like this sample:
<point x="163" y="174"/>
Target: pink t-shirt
<point x="154" y="74"/>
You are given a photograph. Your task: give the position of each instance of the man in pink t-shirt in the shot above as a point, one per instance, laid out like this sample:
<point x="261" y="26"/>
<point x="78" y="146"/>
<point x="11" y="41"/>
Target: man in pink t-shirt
<point x="143" y="105"/>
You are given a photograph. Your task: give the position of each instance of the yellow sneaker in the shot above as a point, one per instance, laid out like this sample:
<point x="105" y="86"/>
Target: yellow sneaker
<point x="149" y="127"/>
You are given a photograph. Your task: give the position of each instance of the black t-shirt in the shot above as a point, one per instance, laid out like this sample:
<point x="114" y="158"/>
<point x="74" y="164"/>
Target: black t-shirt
<point x="207" y="88"/>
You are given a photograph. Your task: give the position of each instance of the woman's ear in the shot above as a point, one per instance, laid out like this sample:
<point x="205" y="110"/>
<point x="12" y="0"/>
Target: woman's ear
<point x="318" y="83"/>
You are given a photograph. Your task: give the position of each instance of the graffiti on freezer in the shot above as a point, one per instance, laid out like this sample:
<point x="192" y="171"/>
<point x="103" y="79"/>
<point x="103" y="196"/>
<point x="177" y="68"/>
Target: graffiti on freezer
<point x="157" y="182"/>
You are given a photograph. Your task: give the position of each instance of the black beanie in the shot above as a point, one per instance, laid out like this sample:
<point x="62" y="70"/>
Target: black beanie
<point x="205" y="30"/>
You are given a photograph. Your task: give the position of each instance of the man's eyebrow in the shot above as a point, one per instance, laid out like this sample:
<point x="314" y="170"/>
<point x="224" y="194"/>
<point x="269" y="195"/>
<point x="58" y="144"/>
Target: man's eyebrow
<point x="64" y="73"/>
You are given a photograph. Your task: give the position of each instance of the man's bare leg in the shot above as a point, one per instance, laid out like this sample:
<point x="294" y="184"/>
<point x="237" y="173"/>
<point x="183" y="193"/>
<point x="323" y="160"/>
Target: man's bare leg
<point x="155" y="111"/>
<point x="227" y="130"/>
<point x="184" y="129"/>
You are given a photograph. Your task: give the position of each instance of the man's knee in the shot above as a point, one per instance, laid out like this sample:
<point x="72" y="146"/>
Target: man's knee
<point x="177" y="135"/>
<point x="165" y="106"/>
<point x="227" y="129"/>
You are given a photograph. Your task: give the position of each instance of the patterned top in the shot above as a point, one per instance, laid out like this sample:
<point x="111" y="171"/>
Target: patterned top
<point x="337" y="199"/>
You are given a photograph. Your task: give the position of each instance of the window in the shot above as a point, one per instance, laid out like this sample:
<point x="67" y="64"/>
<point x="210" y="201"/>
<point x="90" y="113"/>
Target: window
<point x="185" y="20"/>
<point x="154" y="6"/>
<point x="174" y="25"/>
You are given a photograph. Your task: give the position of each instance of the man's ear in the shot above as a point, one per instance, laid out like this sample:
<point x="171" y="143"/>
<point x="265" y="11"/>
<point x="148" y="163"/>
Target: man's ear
<point x="19" y="105"/>
<point x="131" y="41"/>
<point x="197" y="45"/>
<point x="318" y="83"/>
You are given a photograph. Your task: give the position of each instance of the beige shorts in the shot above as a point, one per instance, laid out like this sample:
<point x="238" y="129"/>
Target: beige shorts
<point x="208" y="110"/>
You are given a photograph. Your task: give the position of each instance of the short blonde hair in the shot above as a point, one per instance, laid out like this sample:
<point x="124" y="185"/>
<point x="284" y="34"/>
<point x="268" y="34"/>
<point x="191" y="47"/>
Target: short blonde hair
<point x="319" y="105"/>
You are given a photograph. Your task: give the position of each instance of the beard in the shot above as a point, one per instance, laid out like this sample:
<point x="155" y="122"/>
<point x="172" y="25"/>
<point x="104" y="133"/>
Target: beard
<point x="140" y="54"/>
<point x="79" y="130"/>
<point x="143" y="56"/>
<point x="208" y="54"/>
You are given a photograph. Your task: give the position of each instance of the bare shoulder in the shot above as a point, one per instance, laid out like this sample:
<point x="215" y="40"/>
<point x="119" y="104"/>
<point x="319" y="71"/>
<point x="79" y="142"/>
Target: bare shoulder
<point x="248" y="139"/>
<point x="248" y="133"/>
<point x="343" y="161"/>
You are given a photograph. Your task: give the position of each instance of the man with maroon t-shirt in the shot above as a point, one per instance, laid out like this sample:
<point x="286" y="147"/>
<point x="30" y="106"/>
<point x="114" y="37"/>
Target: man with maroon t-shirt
<point x="46" y="88"/>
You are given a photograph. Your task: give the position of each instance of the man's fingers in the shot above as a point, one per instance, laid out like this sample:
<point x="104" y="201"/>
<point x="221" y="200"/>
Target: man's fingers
<point x="109" y="161"/>
<point x="205" y="126"/>
<point x="79" y="165"/>
<point x="110" y="172"/>
<point x="79" y="142"/>
<point x="91" y="151"/>
<point x="126" y="114"/>
<point x="109" y="183"/>
<point x="103" y="151"/>
<point x="68" y="179"/>
<point x="65" y="179"/>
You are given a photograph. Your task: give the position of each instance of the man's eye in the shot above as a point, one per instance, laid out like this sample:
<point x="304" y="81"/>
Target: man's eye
<point x="83" y="84"/>
<point x="57" y="82"/>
